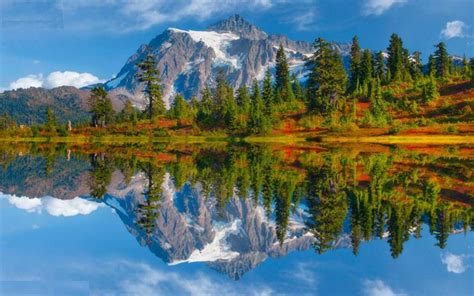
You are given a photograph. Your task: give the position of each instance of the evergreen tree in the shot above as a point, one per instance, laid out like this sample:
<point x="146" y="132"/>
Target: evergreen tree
<point x="471" y="66"/>
<point x="327" y="79"/>
<point x="366" y="70"/>
<point x="297" y="90"/>
<point x="441" y="61"/>
<point x="430" y="90"/>
<point x="243" y="103"/>
<point x="150" y="75"/>
<point x="243" y="99"/>
<point x="204" y="113"/>
<point x="378" y="107"/>
<point x="395" y="58"/>
<point x="267" y="94"/>
<point x="282" y="77"/>
<point x="220" y="99"/>
<point x="379" y="66"/>
<point x="101" y="107"/>
<point x="355" y="65"/>
<point x="466" y="69"/>
<point x="180" y="109"/>
<point x="128" y="113"/>
<point x="416" y="66"/>
<point x="257" y="120"/>
<point x="231" y="111"/>
<point x="51" y="122"/>
<point x="431" y="65"/>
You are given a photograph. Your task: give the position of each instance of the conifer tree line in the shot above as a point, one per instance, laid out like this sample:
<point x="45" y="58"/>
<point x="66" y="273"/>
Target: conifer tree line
<point x="328" y="89"/>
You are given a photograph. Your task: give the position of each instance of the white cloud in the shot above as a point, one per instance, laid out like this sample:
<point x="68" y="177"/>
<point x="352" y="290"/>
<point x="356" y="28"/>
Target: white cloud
<point x="453" y="29"/>
<point x="31" y="80"/>
<point x="143" y="279"/>
<point x="454" y="263"/>
<point x="378" y="288"/>
<point x="378" y="7"/>
<point x="53" y="206"/>
<point x="305" y="21"/>
<point x="142" y="14"/>
<point x="154" y="12"/>
<point x="56" y="79"/>
<point x="76" y="79"/>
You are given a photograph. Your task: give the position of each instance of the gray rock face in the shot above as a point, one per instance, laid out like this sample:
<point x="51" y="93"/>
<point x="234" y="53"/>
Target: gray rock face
<point x="188" y="60"/>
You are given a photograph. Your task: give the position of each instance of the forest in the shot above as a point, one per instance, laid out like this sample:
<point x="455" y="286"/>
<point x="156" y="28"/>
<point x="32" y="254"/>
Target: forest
<point x="385" y="92"/>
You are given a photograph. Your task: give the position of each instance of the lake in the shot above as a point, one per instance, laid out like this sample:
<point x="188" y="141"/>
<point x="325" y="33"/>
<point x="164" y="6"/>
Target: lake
<point x="236" y="219"/>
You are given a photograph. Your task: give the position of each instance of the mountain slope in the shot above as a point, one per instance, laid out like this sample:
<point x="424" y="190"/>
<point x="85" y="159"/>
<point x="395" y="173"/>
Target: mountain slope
<point x="188" y="60"/>
<point x="28" y="106"/>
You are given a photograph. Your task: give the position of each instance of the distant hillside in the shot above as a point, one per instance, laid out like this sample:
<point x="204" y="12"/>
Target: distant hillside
<point x="28" y="106"/>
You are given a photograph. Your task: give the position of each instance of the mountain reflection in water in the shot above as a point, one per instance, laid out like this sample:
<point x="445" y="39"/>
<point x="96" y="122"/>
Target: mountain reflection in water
<point x="234" y="206"/>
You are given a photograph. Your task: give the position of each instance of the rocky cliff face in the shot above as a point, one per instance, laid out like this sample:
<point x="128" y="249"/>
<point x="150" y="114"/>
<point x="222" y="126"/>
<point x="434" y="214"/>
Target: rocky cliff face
<point x="188" y="60"/>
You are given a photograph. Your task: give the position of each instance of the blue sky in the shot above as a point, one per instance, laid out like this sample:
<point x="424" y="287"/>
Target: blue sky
<point x="53" y="42"/>
<point x="73" y="247"/>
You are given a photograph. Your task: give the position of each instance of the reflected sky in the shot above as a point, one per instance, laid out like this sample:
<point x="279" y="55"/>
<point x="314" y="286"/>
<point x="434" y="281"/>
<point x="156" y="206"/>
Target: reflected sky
<point x="93" y="253"/>
<point x="164" y="229"/>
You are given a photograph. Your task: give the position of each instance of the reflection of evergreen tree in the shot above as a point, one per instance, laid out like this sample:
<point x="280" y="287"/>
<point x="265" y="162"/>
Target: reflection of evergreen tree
<point x="101" y="174"/>
<point x="148" y="211"/>
<point x="283" y="200"/>
<point x="327" y="206"/>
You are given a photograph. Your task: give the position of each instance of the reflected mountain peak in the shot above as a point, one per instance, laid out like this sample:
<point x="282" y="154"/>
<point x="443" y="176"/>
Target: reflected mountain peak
<point x="233" y="208"/>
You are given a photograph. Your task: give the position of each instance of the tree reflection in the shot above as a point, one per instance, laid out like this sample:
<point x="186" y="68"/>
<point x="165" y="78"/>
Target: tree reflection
<point x="361" y="196"/>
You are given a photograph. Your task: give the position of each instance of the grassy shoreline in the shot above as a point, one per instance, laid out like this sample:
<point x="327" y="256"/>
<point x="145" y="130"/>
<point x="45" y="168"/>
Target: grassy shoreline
<point x="380" y="139"/>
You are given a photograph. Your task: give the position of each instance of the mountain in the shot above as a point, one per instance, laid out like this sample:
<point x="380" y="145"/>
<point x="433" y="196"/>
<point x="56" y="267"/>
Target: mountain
<point x="28" y="106"/>
<point x="188" y="60"/>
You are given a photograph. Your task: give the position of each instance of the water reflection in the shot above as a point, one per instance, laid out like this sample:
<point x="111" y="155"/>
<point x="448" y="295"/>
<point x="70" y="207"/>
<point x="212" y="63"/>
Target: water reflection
<point x="233" y="206"/>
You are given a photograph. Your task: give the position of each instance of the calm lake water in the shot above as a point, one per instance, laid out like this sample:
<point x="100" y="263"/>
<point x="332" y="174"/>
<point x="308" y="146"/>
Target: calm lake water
<point x="221" y="219"/>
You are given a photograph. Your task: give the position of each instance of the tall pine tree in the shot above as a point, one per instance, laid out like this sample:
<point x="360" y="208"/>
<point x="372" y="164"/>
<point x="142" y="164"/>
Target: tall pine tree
<point x="282" y="77"/>
<point x="150" y="75"/>
<point x="258" y="122"/>
<point x="395" y="58"/>
<point x="355" y="65"/>
<point x="327" y="79"/>
<point x="441" y="61"/>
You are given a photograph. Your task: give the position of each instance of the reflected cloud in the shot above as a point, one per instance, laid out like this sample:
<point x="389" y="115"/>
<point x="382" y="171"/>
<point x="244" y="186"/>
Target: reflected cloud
<point x="53" y="206"/>
<point x="143" y="279"/>
<point x="379" y="288"/>
<point x="454" y="263"/>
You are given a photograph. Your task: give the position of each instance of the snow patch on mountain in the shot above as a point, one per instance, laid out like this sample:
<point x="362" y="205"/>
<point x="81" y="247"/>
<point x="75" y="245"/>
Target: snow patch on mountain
<point x="114" y="82"/>
<point x="219" y="42"/>
<point x="218" y="249"/>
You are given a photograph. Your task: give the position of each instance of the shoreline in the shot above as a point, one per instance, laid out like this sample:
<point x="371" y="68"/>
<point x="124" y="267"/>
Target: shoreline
<point x="381" y="139"/>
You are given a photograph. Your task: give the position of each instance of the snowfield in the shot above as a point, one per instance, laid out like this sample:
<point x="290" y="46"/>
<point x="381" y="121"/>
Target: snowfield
<point x="218" y="42"/>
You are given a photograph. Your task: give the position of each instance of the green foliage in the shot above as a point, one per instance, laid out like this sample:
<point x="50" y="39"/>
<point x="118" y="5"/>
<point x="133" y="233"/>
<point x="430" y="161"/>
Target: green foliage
<point x="180" y="109"/>
<point x="128" y="114"/>
<point x="430" y="91"/>
<point x="6" y="123"/>
<point x="441" y="61"/>
<point x="378" y="113"/>
<point x="150" y="75"/>
<point x="355" y="65"/>
<point x="395" y="58"/>
<point x="284" y="92"/>
<point x="62" y="131"/>
<point x="327" y="79"/>
<point x="101" y="107"/>
<point x="258" y="122"/>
